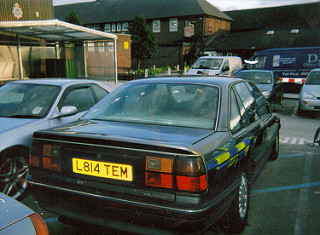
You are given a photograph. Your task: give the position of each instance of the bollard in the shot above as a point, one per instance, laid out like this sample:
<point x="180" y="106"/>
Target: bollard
<point x="169" y="71"/>
<point x="185" y="71"/>
<point x="146" y="73"/>
<point x="178" y="67"/>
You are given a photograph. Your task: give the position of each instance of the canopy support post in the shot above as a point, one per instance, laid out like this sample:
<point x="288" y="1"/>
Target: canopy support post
<point x="19" y="58"/>
<point x="115" y="62"/>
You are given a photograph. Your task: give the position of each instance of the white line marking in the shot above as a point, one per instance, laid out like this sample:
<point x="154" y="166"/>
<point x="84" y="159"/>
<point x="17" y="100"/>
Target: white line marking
<point x="302" y="214"/>
<point x="294" y="140"/>
<point x="286" y="140"/>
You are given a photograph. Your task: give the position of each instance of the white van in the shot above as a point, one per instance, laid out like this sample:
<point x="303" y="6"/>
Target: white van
<point x="215" y="65"/>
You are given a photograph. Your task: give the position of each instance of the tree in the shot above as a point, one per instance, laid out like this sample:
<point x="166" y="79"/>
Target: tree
<point x="73" y="18"/>
<point x="144" y="43"/>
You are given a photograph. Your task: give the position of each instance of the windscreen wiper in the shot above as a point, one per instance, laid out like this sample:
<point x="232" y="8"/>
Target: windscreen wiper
<point x="23" y="116"/>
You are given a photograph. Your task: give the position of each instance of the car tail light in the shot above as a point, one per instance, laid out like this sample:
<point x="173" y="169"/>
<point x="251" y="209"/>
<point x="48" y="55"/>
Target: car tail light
<point x="156" y="179"/>
<point x="46" y="156"/>
<point x="159" y="172"/>
<point x="34" y="160"/>
<point x="39" y="224"/>
<point x="51" y="157"/>
<point x="191" y="175"/>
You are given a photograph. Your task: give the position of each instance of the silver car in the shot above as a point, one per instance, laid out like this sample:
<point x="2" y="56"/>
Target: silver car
<point x="30" y="105"/>
<point x="16" y="218"/>
<point x="309" y="97"/>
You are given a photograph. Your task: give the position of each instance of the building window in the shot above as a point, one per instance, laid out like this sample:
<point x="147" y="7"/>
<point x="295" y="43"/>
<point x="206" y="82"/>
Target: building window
<point x="125" y="26"/>
<point x="107" y="28"/>
<point x="156" y="26"/>
<point x="114" y="27"/>
<point x="173" y="25"/>
<point x="119" y="27"/>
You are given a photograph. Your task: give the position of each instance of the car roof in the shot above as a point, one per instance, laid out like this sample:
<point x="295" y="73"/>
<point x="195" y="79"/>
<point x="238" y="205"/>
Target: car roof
<point x="201" y="80"/>
<point x="54" y="81"/>
<point x="256" y="70"/>
<point x="217" y="57"/>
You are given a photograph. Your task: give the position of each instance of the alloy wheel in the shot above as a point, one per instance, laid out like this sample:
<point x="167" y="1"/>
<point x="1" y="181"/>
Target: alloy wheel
<point x="13" y="174"/>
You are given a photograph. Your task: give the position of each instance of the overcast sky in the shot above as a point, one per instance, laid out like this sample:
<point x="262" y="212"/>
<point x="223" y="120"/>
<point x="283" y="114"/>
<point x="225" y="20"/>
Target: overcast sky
<point x="224" y="5"/>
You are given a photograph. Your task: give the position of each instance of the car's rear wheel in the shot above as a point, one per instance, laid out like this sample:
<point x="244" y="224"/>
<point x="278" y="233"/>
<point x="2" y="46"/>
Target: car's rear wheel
<point x="237" y="216"/>
<point x="13" y="174"/>
<point x="275" y="149"/>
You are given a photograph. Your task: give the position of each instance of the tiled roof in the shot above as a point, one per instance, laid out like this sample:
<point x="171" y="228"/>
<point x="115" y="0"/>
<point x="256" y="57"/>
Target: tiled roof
<point x="125" y="10"/>
<point x="249" y="28"/>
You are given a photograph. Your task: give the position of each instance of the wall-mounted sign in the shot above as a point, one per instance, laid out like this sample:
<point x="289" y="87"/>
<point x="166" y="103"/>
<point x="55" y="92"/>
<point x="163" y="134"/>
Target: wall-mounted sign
<point x="17" y="11"/>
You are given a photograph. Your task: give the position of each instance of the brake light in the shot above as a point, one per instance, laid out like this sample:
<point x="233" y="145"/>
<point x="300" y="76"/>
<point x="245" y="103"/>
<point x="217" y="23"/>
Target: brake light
<point x="50" y="163"/>
<point x="192" y="184"/>
<point x="159" y="172"/>
<point x="34" y="160"/>
<point x="39" y="224"/>
<point x="191" y="175"/>
<point x="156" y="179"/>
<point x="46" y="156"/>
<point x="51" y="157"/>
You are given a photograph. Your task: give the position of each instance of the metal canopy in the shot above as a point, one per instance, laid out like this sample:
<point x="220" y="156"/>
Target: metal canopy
<point x="54" y="30"/>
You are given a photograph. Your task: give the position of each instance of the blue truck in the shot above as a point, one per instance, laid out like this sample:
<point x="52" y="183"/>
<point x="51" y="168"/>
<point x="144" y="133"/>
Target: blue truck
<point x="291" y="65"/>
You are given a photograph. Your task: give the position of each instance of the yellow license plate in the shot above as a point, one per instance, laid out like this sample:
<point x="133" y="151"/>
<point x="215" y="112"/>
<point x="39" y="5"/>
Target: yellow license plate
<point x="102" y="169"/>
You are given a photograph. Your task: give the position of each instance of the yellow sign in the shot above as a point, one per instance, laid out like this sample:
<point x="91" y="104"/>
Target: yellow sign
<point x="126" y="45"/>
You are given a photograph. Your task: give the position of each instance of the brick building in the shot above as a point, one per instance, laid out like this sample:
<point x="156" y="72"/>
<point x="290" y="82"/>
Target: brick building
<point x="274" y="27"/>
<point x="177" y="24"/>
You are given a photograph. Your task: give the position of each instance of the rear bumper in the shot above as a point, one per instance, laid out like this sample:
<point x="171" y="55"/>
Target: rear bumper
<point x="123" y="215"/>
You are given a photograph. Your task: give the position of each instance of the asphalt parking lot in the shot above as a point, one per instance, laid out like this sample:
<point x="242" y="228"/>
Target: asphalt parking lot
<point x="285" y="199"/>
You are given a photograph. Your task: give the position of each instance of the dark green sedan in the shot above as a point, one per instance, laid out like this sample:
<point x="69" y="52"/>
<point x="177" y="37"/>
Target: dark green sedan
<point x="174" y="154"/>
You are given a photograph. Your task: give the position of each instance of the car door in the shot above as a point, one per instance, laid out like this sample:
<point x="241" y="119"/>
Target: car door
<point x="269" y="127"/>
<point x="81" y="96"/>
<point x="253" y="116"/>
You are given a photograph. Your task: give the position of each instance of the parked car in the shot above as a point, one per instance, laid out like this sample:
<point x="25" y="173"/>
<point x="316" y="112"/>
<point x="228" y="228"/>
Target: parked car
<point x="16" y="218"/>
<point x="292" y="65"/>
<point x="309" y="97"/>
<point x="215" y="65"/>
<point x="161" y="153"/>
<point x="267" y="81"/>
<point x="30" y="105"/>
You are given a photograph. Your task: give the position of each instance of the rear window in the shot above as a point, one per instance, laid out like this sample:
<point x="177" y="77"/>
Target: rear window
<point x="207" y="63"/>
<point x="184" y="105"/>
<point x="257" y="77"/>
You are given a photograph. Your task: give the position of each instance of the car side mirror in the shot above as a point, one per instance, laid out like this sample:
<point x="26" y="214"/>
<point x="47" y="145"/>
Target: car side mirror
<point x="67" y="111"/>
<point x="276" y="107"/>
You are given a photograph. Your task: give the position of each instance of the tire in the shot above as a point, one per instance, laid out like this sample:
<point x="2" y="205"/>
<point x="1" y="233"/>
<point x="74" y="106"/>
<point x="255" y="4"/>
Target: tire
<point x="13" y="176"/>
<point x="237" y="215"/>
<point x="275" y="149"/>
